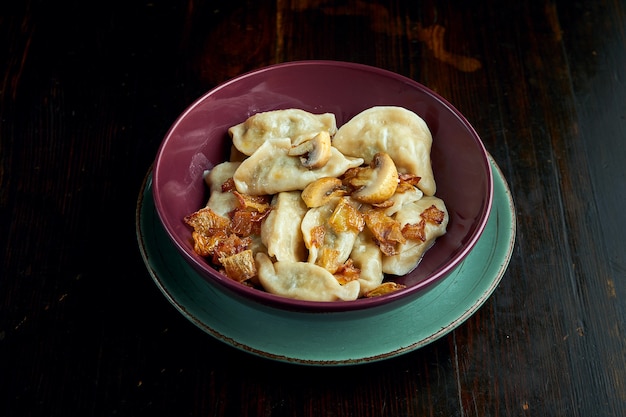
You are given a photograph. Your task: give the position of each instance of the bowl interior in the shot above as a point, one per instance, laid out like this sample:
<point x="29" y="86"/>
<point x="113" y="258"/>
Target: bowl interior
<point x="198" y="140"/>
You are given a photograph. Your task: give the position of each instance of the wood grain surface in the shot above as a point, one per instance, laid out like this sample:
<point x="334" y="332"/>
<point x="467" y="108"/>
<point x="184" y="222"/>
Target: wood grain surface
<point x="87" y="92"/>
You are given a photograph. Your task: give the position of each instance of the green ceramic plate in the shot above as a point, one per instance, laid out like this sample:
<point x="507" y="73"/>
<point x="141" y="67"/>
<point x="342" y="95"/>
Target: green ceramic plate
<point x="333" y="338"/>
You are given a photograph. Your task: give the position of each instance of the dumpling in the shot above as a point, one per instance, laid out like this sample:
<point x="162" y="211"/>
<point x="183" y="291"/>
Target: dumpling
<point x="271" y="170"/>
<point x="303" y="281"/>
<point x="368" y="258"/>
<point x="410" y="254"/>
<point x="393" y="130"/>
<point x="280" y="231"/>
<point x="221" y="202"/>
<point x="295" y="124"/>
<point x="399" y="199"/>
<point x="328" y="235"/>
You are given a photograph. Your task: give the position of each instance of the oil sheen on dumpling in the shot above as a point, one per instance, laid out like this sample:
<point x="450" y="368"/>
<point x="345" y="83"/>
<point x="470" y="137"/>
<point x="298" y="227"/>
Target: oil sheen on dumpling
<point x="303" y="281"/>
<point x="336" y="246"/>
<point x="295" y="124"/>
<point x="400" y="198"/>
<point x="221" y="202"/>
<point x="280" y="231"/>
<point x="396" y="131"/>
<point x="410" y="253"/>
<point x="270" y="170"/>
<point x="368" y="258"/>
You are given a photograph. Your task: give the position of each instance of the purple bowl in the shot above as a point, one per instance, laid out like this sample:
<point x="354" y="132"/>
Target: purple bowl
<point x="198" y="141"/>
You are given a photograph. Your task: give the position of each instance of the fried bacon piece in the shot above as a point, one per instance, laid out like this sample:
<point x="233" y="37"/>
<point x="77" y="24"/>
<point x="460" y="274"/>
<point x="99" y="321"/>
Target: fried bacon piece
<point x="386" y="231"/>
<point x="346" y="218"/>
<point x="228" y="185"/>
<point x="205" y="244"/>
<point x="433" y="215"/>
<point x="260" y="203"/>
<point x="247" y="222"/>
<point x="226" y="241"/>
<point x="410" y="179"/>
<point x="347" y="272"/>
<point x="407" y="182"/>
<point x="205" y="220"/>
<point x="228" y="245"/>
<point x="247" y="218"/>
<point x="328" y="258"/>
<point x="417" y="231"/>
<point x="384" y="288"/>
<point x="317" y="236"/>
<point x="240" y="266"/>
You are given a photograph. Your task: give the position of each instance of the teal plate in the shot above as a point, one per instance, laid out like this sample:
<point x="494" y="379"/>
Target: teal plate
<point x="344" y="338"/>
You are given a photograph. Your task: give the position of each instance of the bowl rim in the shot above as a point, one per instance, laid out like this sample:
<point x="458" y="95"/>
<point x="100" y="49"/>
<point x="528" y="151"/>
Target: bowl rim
<point x="285" y="303"/>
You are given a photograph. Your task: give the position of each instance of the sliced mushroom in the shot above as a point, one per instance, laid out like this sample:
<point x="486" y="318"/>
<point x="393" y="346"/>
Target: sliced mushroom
<point x="315" y="152"/>
<point x="323" y="190"/>
<point x="376" y="183"/>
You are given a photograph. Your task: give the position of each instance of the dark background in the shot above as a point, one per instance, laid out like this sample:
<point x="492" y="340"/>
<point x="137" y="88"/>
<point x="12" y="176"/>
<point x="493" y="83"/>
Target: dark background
<point x="88" y="90"/>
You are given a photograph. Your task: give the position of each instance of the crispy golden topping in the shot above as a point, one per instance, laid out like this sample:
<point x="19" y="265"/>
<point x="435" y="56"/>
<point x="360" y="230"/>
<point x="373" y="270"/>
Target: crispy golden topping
<point x="240" y="266"/>
<point x="346" y="218"/>
<point x="386" y="231"/>
<point x="205" y="220"/>
<point x="417" y="231"/>
<point x="317" y="236"/>
<point x="328" y="259"/>
<point x="347" y="272"/>
<point x="433" y="215"/>
<point x="384" y="288"/>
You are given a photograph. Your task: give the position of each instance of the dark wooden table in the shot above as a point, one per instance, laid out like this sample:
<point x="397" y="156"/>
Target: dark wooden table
<point x="87" y="91"/>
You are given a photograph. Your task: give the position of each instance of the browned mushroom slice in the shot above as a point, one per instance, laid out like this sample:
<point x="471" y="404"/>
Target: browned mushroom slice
<point x="323" y="190"/>
<point x="314" y="153"/>
<point x="376" y="183"/>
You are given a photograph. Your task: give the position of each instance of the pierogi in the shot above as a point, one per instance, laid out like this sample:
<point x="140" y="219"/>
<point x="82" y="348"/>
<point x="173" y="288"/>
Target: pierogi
<point x="404" y="261"/>
<point x="295" y="124"/>
<point x="221" y="202"/>
<point x="270" y="169"/>
<point x="396" y="131"/>
<point x="298" y="215"/>
<point x="281" y="232"/>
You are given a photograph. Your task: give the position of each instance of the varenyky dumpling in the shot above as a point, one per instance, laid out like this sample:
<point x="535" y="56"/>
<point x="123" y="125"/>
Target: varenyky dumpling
<point x="399" y="199"/>
<point x="396" y="131"/>
<point x="368" y="258"/>
<point x="270" y="170"/>
<point x="280" y="231"/>
<point x="221" y="202"/>
<point x="303" y="281"/>
<point x="296" y="124"/>
<point x="336" y="245"/>
<point x="410" y="253"/>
